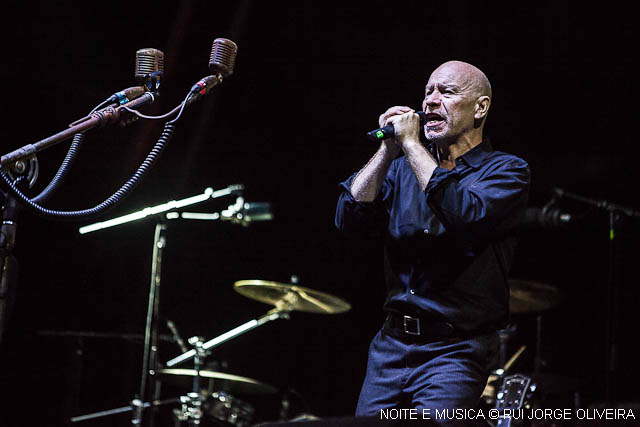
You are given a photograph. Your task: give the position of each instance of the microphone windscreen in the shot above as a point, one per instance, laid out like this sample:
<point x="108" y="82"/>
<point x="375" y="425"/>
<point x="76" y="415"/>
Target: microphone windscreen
<point x="223" y="56"/>
<point x="148" y="61"/>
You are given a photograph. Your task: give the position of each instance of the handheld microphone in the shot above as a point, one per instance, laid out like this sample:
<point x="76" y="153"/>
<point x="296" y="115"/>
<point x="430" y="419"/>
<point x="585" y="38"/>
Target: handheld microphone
<point x="388" y="131"/>
<point x="149" y="68"/>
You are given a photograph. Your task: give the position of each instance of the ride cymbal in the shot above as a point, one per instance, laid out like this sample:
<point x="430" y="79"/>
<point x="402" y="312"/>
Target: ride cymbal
<point x="291" y="297"/>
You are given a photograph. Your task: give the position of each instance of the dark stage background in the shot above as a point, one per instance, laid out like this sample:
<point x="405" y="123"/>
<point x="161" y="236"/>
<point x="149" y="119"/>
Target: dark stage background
<point x="289" y="125"/>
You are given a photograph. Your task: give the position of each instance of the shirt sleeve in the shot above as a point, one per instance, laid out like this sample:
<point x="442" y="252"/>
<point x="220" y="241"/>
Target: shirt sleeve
<point x="368" y="219"/>
<point x="492" y="204"/>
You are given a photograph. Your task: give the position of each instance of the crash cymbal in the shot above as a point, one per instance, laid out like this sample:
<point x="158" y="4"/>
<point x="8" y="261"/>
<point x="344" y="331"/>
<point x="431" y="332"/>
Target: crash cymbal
<point x="291" y="297"/>
<point x="529" y="297"/>
<point x="217" y="381"/>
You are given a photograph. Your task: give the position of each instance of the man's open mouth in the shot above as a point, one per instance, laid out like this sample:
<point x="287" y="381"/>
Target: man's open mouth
<point x="434" y="119"/>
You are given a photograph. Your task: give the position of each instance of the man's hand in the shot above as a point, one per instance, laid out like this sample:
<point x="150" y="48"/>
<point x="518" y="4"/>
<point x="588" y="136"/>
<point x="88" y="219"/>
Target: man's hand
<point x="406" y="127"/>
<point x="391" y="143"/>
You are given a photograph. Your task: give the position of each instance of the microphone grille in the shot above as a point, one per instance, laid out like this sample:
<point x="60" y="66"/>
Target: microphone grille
<point x="148" y="61"/>
<point x="223" y="56"/>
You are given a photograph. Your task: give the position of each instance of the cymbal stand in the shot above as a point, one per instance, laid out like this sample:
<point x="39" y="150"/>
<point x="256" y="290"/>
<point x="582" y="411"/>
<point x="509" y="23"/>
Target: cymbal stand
<point x="191" y="410"/>
<point x="124" y="409"/>
<point x="616" y="212"/>
<point x="281" y="312"/>
<point x="538" y="362"/>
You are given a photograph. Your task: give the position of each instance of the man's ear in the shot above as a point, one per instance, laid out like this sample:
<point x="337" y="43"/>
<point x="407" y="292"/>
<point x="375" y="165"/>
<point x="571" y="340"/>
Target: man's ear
<point x="482" y="107"/>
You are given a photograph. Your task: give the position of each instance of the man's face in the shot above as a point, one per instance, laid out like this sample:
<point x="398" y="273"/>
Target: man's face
<point x="449" y="104"/>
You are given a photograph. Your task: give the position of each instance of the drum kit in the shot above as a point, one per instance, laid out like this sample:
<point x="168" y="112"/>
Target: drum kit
<point x="218" y="398"/>
<point x="213" y="396"/>
<point x="506" y="390"/>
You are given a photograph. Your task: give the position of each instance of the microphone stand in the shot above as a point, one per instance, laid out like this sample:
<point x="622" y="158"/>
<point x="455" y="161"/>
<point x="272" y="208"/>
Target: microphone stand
<point x="616" y="212"/>
<point x="150" y="353"/>
<point x="8" y="263"/>
<point x="17" y="160"/>
<point x="99" y="118"/>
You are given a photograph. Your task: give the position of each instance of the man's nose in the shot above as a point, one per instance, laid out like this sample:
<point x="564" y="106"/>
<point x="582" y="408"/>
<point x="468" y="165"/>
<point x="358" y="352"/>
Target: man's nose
<point x="432" y="99"/>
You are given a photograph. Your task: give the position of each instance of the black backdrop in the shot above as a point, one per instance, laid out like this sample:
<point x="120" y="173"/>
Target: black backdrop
<point x="289" y="124"/>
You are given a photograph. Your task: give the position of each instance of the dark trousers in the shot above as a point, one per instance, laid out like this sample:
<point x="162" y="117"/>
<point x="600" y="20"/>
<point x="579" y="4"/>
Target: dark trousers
<point x="403" y="372"/>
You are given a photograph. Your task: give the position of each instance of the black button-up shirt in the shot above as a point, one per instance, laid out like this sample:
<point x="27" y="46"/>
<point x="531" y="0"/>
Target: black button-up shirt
<point x="447" y="249"/>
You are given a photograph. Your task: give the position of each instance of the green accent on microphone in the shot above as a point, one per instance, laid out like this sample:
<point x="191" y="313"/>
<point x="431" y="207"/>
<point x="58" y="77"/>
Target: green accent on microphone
<point x="380" y="134"/>
<point x="611" y="235"/>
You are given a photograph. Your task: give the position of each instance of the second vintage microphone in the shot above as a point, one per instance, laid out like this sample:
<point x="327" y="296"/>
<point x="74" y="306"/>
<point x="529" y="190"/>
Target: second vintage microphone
<point x="221" y="63"/>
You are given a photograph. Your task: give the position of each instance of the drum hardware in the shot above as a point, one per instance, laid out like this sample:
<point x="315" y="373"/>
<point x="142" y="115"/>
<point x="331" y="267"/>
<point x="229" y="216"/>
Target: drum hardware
<point x="286" y="298"/>
<point x="515" y="391"/>
<point x="273" y="314"/>
<point x="525" y="297"/>
<point x="225" y="407"/>
<point x="504" y="335"/>
<point x="534" y="297"/>
<point x="190" y="411"/>
<point x="149" y="359"/>
<point x="191" y="408"/>
<point x="221" y="404"/>
<point x="135" y="404"/>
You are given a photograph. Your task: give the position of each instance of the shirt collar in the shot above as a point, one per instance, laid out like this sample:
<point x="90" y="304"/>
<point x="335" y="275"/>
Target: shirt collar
<point x="475" y="156"/>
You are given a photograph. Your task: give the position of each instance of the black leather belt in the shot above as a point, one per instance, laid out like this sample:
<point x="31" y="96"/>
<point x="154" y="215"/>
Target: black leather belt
<point x="419" y="327"/>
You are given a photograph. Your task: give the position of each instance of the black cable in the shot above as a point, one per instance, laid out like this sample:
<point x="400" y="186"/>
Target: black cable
<point x="113" y="200"/>
<point x="65" y="166"/>
<point x="68" y="161"/>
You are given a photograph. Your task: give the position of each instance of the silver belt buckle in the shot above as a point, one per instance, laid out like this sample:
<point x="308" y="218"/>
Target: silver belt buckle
<point x="411" y="321"/>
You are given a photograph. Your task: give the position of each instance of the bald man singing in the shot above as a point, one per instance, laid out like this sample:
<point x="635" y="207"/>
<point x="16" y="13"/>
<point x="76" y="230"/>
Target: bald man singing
<point x="448" y="213"/>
